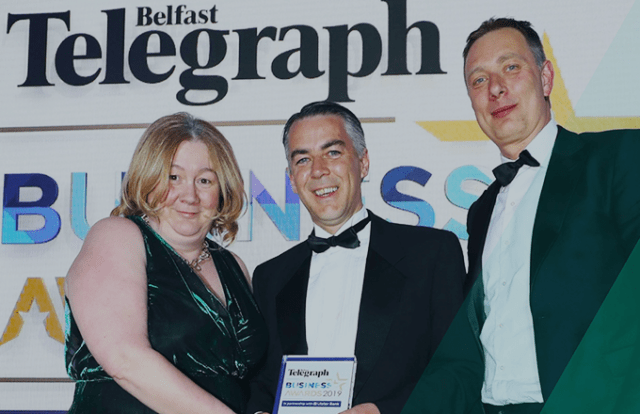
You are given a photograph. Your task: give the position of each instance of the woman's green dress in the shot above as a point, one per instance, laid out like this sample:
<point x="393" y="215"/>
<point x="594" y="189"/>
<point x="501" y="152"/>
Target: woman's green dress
<point x="218" y="347"/>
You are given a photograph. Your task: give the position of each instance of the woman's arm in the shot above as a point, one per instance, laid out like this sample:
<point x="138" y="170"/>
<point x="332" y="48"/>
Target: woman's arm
<point x="107" y="291"/>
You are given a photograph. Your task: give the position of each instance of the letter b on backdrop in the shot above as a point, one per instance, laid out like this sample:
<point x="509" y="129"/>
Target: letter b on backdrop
<point x="14" y="207"/>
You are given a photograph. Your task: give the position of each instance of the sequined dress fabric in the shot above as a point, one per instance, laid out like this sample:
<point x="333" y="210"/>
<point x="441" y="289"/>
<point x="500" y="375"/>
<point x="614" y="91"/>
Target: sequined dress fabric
<point x="217" y="347"/>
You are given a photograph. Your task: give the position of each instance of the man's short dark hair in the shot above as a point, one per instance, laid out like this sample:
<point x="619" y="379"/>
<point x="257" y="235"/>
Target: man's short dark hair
<point x="524" y="27"/>
<point x="352" y="124"/>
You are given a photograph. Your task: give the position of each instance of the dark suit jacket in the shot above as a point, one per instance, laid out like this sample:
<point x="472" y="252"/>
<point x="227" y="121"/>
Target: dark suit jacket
<point x="586" y="224"/>
<point x="413" y="287"/>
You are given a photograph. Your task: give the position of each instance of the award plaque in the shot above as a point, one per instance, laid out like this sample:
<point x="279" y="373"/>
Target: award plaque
<point x="314" y="385"/>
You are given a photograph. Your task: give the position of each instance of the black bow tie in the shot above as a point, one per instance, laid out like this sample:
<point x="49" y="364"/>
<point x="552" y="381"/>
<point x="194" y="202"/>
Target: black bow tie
<point x="347" y="239"/>
<point x="505" y="173"/>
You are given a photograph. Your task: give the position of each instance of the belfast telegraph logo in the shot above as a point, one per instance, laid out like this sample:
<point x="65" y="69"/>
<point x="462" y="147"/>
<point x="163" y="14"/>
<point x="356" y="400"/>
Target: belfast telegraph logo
<point x="184" y="56"/>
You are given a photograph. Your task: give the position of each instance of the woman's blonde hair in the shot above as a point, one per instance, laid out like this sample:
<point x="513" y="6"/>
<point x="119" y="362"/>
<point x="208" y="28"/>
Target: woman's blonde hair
<point x="151" y="165"/>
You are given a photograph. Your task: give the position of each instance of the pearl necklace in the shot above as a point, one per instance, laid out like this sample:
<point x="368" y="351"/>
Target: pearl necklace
<point x="195" y="263"/>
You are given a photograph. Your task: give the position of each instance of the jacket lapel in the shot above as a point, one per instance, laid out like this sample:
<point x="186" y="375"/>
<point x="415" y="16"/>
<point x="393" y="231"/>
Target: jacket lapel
<point x="380" y="299"/>
<point x="290" y="311"/>
<point x="381" y="295"/>
<point x="565" y="167"/>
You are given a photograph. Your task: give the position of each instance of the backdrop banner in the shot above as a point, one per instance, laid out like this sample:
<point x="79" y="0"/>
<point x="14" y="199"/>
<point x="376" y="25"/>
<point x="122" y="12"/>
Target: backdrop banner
<point x="81" y="80"/>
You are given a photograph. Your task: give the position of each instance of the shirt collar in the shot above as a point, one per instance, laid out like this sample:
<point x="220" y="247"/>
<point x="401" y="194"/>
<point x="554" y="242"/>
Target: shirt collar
<point x="357" y="217"/>
<point x="542" y="145"/>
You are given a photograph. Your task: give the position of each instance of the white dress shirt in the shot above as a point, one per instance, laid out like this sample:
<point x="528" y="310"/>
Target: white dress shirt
<point x="511" y="372"/>
<point x="333" y="296"/>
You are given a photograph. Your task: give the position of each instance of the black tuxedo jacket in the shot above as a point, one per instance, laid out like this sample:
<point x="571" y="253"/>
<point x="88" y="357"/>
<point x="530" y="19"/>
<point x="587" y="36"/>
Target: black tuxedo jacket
<point x="586" y="225"/>
<point x="413" y="287"/>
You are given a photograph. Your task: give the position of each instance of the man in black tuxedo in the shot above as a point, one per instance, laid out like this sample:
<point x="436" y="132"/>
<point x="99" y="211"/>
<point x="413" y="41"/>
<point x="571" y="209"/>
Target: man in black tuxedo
<point x="386" y="293"/>
<point x="547" y="241"/>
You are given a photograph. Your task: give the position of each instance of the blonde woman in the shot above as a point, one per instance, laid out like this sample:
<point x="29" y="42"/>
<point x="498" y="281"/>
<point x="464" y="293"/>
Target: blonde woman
<point x="159" y="317"/>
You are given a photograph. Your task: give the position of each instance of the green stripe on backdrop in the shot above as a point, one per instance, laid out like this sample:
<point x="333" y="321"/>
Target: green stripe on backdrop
<point x="603" y="376"/>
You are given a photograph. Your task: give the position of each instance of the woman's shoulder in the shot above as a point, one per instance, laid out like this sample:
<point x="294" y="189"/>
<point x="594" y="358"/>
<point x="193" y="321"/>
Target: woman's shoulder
<point x="114" y="227"/>
<point x="117" y="237"/>
<point x="112" y="251"/>
<point x="243" y="267"/>
<point x="231" y="258"/>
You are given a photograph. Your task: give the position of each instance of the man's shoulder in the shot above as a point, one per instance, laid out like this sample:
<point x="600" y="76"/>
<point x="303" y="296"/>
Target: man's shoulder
<point x="598" y="134"/>
<point x="289" y="258"/>
<point x="398" y="234"/>
<point x="603" y="139"/>
<point x="269" y="277"/>
<point x="612" y="149"/>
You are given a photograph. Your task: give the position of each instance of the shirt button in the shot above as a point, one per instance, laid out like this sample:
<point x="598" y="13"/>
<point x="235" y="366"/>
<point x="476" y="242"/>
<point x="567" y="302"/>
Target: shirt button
<point x="502" y="368"/>
<point x="506" y="243"/>
<point x="504" y="283"/>
<point x="500" y="325"/>
<point x="513" y="203"/>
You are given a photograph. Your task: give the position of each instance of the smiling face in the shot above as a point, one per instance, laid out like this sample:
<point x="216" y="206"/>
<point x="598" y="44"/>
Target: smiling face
<point x="194" y="193"/>
<point x="508" y="89"/>
<point x="326" y="171"/>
